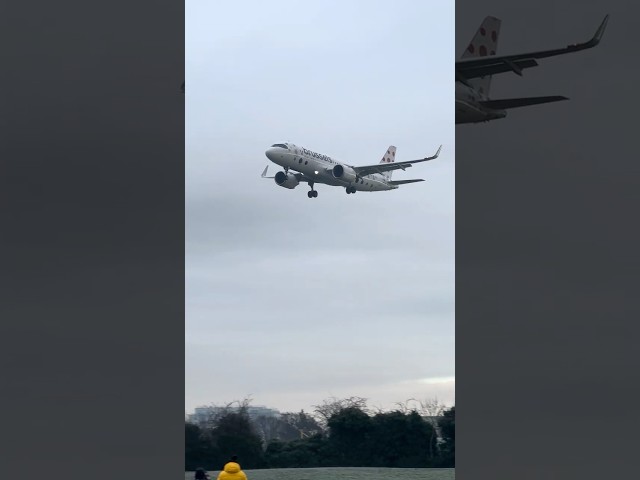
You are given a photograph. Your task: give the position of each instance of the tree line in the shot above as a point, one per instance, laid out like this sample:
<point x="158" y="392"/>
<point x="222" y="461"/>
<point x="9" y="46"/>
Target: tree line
<point x="339" y="433"/>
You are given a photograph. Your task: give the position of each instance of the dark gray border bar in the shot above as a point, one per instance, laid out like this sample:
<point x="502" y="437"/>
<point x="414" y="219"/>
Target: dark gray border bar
<point x="92" y="207"/>
<point x="547" y="263"/>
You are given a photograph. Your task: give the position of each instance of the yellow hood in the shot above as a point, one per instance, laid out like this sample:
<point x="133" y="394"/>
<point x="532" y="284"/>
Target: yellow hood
<point x="232" y="467"/>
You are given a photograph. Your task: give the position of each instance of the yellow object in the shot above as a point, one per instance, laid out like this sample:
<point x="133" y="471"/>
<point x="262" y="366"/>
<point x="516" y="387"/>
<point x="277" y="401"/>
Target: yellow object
<point x="232" y="471"/>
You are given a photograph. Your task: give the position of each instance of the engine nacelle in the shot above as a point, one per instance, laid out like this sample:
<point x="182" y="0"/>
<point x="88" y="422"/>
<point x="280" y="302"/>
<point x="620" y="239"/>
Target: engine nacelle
<point x="286" y="180"/>
<point x="344" y="174"/>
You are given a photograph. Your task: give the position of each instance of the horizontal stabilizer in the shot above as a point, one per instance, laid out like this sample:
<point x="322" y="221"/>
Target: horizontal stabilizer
<point x="506" y="103"/>
<point x="402" y="182"/>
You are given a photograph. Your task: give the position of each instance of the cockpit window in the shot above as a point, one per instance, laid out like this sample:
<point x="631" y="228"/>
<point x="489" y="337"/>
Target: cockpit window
<point x="281" y="145"/>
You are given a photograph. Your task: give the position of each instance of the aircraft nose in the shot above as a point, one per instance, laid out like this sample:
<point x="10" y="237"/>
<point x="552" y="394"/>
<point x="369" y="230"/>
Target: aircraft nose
<point x="270" y="153"/>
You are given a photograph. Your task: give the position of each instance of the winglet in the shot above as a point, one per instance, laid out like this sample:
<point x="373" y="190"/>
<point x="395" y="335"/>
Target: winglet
<point x="595" y="40"/>
<point x="436" y="154"/>
<point x="264" y="172"/>
<point x="598" y="35"/>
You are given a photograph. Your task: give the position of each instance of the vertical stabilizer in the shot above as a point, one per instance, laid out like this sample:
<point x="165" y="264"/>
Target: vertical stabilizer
<point x="484" y="43"/>
<point x="389" y="157"/>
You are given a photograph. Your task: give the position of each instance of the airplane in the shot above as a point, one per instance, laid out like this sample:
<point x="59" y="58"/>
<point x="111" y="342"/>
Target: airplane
<point x="312" y="168"/>
<point x="479" y="62"/>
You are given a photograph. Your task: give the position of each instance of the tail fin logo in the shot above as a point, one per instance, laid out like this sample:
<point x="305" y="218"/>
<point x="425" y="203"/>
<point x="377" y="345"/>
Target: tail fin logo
<point x="389" y="156"/>
<point x="485" y="41"/>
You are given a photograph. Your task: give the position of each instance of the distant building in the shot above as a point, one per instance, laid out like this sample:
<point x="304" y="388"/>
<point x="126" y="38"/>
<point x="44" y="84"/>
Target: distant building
<point x="202" y="415"/>
<point x="261" y="411"/>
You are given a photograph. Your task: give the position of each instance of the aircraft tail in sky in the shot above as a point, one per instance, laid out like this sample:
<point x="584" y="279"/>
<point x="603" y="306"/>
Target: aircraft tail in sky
<point x="389" y="157"/>
<point x="484" y="43"/>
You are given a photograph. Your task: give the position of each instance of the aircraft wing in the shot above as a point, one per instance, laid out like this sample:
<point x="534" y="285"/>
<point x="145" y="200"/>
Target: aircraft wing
<point x="386" y="167"/>
<point x="490" y="65"/>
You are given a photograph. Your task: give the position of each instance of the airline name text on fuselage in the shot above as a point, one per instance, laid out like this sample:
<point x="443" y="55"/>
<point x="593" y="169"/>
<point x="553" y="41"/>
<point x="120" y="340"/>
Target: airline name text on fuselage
<point x="317" y="155"/>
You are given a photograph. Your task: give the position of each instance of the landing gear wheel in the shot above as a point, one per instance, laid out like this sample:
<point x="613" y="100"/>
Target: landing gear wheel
<point x="351" y="190"/>
<point x="313" y="193"/>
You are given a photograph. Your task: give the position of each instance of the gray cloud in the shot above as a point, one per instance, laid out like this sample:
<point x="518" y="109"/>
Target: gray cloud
<point x="293" y="300"/>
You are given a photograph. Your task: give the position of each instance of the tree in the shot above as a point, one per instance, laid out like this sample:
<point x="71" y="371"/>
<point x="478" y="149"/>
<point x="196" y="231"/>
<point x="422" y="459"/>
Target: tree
<point x="286" y="427"/>
<point x="341" y="432"/>
<point x="349" y="436"/>
<point x="448" y="429"/>
<point x="305" y="425"/>
<point x="235" y="435"/>
<point x="199" y="450"/>
<point x="419" y="451"/>
<point x="333" y="406"/>
<point x="388" y="439"/>
<point x="400" y="439"/>
<point x="431" y="410"/>
<point x="306" y="453"/>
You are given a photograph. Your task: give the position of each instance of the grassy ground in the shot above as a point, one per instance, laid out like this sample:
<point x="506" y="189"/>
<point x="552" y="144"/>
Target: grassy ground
<point x="344" y="474"/>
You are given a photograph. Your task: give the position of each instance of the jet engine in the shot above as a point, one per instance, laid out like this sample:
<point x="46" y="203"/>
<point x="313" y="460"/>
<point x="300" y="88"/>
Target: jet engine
<point x="286" y="180"/>
<point x="345" y="174"/>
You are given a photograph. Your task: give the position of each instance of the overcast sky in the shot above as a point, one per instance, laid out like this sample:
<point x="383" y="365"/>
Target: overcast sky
<point x="293" y="300"/>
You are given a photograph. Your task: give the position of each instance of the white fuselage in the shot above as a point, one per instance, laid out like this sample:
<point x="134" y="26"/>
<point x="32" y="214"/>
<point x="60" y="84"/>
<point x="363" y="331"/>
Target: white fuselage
<point x="319" y="168"/>
<point x="470" y="110"/>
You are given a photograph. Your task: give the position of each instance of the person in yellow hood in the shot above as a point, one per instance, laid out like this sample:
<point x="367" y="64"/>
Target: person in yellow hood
<point x="232" y="471"/>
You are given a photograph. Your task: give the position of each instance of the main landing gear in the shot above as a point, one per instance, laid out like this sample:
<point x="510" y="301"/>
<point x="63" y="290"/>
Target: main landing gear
<point x="351" y="190"/>
<point x="313" y="193"/>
